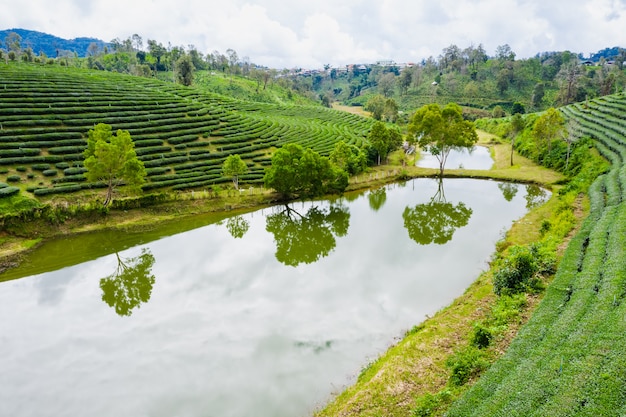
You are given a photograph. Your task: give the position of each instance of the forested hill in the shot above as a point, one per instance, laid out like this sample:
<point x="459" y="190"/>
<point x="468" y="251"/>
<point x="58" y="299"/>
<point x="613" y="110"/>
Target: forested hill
<point x="52" y="46"/>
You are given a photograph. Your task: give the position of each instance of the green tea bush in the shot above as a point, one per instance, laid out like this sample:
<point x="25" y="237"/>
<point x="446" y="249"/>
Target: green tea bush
<point x="49" y="172"/>
<point x="14" y="178"/>
<point x="8" y="191"/>
<point x="21" y="168"/>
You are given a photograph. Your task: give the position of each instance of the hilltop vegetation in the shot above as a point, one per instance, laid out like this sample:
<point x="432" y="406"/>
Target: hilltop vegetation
<point x="181" y="134"/>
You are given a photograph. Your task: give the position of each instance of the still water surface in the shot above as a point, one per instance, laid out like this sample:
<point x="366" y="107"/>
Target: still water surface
<point x="476" y="158"/>
<point x="262" y="314"/>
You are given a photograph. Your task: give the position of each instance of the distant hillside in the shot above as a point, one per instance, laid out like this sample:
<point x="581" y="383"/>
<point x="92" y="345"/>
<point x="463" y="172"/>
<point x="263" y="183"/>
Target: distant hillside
<point x="51" y="45"/>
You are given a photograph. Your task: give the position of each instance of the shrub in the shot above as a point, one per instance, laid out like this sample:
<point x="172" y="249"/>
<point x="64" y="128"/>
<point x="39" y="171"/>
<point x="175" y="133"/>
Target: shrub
<point x="49" y="172"/>
<point x="515" y="271"/>
<point x="14" y="178"/>
<point x="466" y="364"/>
<point x="481" y="337"/>
<point x="21" y="168"/>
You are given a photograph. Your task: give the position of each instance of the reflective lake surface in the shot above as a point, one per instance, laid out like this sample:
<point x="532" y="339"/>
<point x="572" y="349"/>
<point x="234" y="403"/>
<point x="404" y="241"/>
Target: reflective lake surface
<point x="262" y="314"/>
<point x="476" y="158"/>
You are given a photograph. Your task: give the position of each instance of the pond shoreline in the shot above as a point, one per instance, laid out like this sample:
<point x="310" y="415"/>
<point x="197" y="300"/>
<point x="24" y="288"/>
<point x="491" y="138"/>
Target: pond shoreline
<point x="15" y="246"/>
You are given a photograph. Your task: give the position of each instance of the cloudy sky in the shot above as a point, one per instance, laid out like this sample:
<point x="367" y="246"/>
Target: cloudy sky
<point x="308" y="34"/>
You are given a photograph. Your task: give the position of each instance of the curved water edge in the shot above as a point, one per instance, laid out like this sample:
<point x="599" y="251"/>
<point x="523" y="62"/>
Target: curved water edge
<point x="264" y="313"/>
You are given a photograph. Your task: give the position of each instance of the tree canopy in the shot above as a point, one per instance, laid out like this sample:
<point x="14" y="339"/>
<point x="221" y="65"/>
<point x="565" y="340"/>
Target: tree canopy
<point x="296" y="171"/>
<point x="111" y="159"/>
<point x="439" y="130"/>
<point x="384" y="139"/>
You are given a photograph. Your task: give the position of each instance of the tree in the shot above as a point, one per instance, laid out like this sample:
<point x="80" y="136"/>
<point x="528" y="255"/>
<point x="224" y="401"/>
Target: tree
<point x="517" y="125"/>
<point x="384" y="140"/>
<point x="112" y="160"/>
<point x="184" y="70"/>
<point x="439" y="130"/>
<point x="505" y="53"/>
<point x="387" y="84"/>
<point x="131" y="283"/>
<point x="548" y="127"/>
<point x="390" y="110"/>
<point x="348" y="158"/>
<point x="404" y="80"/>
<point x="233" y="167"/>
<point x="296" y="171"/>
<point x="376" y="105"/>
<point x="13" y="41"/>
<point x="569" y="76"/>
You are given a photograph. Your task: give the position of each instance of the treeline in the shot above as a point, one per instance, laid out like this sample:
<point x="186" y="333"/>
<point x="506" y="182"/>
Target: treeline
<point x="473" y="78"/>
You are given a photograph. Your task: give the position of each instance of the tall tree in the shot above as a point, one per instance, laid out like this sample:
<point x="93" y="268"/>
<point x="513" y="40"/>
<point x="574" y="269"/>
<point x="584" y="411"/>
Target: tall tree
<point x="184" y="70"/>
<point x="111" y="159"/>
<point x="568" y="77"/>
<point x="517" y="125"/>
<point x="233" y="167"/>
<point x="439" y="130"/>
<point x="548" y="127"/>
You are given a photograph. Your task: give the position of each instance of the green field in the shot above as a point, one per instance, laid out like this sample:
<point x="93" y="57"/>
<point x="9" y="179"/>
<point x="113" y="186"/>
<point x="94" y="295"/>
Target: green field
<point x="570" y="359"/>
<point x="182" y="134"/>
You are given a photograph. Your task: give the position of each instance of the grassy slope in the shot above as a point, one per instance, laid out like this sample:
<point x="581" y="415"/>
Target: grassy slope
<point x="570" y="359"/>
<point x="181" y="134"/>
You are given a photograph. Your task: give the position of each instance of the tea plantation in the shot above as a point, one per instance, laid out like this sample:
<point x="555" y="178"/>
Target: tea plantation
<point x="570" y="359"/>
<point x="181" y="134"/>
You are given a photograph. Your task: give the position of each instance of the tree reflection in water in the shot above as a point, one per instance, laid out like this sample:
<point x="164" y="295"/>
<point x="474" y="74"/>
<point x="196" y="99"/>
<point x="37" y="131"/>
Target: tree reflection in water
<point x="535" y="196"/>
<point x="130" y="285"/>
<point x="307" y="238"/>
<point x="435" y="221"/>
<point x="237" y="226"/>
<point x="377" y="198"/>
<point x="509" y="190"/>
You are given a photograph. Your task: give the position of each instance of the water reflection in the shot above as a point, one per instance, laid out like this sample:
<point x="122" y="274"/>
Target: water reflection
<point x="309" y="237"/>
<point x="131" y="283"/>
<point x="509" y="190"/>
<point x="237" y="226"/>
<point x="435" y="221"/>
<point x="377" y="198"/>
<point x="535" y="196"/>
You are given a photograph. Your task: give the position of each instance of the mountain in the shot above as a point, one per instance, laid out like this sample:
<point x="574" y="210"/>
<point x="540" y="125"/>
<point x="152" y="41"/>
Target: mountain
<point x="51" y="45"/>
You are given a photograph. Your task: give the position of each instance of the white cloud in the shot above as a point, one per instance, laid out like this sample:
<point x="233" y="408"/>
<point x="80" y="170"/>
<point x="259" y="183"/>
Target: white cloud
<point x="310" y="34"/>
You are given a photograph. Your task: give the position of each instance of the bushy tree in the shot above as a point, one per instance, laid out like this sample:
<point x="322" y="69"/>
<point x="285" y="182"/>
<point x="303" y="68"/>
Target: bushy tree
<point x="296" y="171"/>
<point x="439" y="130"/>
<point x="111" y="159"/>
<point x="384" y="140"/>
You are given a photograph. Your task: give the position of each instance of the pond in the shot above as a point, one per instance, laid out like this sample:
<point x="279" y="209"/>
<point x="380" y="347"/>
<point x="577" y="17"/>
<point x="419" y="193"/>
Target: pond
<point x="266" y="313"/>
<point x="478" y="157"/>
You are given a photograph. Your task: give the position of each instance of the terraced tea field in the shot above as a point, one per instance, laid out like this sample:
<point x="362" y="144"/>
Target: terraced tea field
<point x="570" y="359"/>
<point x="181" y="134"/>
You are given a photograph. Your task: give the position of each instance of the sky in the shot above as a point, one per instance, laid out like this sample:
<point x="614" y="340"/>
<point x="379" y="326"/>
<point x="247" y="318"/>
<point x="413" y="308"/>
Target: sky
<point x="308" y="34"/>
